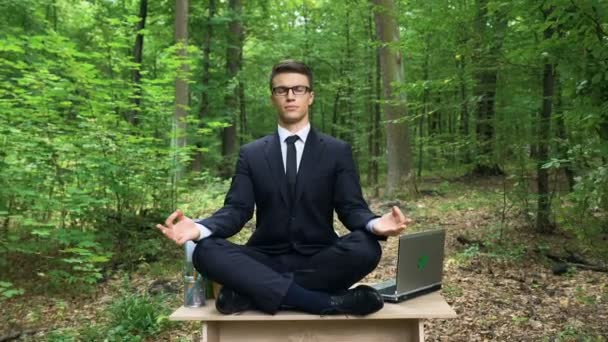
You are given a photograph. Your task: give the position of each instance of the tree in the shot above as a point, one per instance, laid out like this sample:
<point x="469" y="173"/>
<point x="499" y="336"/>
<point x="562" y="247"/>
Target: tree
<point x="137" y="58"/>
<point x="394" y="106"/>
<point x="374" y="79"/>
<point x="234" y="57"/>
<point x="197" y="163"/>
<point x="181" y="82"/>
<point x="543" y="217"/>
<point x="490" y="35"/>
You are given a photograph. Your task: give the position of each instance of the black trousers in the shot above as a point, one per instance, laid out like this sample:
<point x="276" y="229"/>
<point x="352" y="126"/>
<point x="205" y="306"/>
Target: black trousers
<point x="265" y="278"/>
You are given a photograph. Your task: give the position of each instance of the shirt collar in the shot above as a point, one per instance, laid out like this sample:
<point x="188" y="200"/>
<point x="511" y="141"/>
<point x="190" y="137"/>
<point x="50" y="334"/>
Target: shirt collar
<point x="303" y="133"/>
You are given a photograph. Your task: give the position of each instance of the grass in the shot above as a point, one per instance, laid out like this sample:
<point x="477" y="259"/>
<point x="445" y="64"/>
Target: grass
<point x="133" y="316"/>
<point x="571" y="333"/>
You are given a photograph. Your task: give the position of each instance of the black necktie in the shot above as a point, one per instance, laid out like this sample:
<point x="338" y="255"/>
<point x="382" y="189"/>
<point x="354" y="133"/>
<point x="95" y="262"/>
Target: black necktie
<point x="292" y="165"/>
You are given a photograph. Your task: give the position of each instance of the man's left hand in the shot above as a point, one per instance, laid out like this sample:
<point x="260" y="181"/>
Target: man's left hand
<point x="392" y="223"/>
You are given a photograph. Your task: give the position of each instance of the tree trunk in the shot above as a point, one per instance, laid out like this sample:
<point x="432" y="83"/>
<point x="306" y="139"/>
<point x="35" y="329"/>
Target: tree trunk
<point x="464" y="108"/>
<point x="197" y="163"/>
<point x="562" y="134"/>
<point x="543" y="217"/>
<point x="233" y="66"/>
<point x="377" y="117"/>
<point x="373" y="81"/>
<point x="485" y="89"/>
<point x="133" y="117"/>
<point x="425" y="107"/>
<point x="397" y="137"/>
<point x="51" y="14"/>
<point x="243" y="114"/>
<point x="349" y="128"/>
<point x="181" y="82"/>
<point x="335" y="131"/>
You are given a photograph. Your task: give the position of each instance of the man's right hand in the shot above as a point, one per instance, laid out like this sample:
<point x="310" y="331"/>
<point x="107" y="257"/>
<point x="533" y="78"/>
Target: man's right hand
<point x="179" y="228"/>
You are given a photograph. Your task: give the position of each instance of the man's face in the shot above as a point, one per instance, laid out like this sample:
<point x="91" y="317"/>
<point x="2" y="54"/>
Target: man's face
<point x="291" y="108"/>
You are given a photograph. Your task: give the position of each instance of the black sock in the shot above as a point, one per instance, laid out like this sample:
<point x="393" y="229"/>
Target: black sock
<point x="310" y="301"/>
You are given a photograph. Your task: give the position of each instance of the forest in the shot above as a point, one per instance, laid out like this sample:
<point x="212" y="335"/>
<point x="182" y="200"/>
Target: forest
<point x="485" y="117"/>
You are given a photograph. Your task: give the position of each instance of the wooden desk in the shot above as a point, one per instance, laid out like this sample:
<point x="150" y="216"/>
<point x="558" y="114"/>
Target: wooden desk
<point x="395" y="322"/>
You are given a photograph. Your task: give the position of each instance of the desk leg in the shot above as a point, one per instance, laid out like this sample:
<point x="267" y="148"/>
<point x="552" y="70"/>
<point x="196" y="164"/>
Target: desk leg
<point x="421" y="330"/>
<point x="210" y="332"/>
<point x="413" y="330"/>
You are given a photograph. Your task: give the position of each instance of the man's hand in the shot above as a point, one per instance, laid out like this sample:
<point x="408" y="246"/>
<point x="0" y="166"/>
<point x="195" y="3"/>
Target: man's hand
<point x="179" y="228"/>
<point x="392" y="223"/>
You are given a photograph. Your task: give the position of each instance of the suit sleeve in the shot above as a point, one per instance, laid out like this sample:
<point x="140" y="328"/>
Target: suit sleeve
<point x="352" y="209"/>
<point x="238" y="204"/>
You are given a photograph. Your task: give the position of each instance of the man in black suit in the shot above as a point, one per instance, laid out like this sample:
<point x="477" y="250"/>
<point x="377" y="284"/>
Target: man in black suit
<point x="295" y="179"/>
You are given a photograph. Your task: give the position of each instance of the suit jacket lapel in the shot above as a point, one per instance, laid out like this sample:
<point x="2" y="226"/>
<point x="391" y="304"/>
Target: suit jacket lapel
<point x="313" y="149"/>
<point x="272" y="151"/>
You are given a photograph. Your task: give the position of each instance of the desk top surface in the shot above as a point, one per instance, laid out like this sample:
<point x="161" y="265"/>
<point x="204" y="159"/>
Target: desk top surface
<point x="431" y="305"/>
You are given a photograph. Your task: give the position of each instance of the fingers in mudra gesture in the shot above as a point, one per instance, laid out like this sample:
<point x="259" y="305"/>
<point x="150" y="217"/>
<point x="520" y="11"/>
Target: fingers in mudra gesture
<point x="179" y="228"/>
<point x="392" y="223"/>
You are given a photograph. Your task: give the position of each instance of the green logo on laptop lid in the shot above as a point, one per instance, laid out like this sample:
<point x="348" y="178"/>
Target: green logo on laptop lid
<point x="422" y="261"/>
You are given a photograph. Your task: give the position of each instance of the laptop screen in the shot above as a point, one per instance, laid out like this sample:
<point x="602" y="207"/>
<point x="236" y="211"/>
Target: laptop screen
<point x="420" y="260"/>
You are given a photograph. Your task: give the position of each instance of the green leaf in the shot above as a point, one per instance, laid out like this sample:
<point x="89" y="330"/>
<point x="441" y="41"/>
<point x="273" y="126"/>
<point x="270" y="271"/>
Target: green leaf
<point x="41" y="232"/>
<point x="597" y="78"/>
<point x="12" y="293"/>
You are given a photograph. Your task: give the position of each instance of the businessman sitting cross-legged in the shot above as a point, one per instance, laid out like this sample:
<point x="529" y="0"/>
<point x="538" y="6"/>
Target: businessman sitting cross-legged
<point x="295" y="178"/>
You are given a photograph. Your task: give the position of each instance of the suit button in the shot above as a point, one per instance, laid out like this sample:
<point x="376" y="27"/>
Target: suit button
<point x="292" y="218"/>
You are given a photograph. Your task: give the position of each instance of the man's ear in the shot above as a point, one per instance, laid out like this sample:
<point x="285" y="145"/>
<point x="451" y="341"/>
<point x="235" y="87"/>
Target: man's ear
<point x="312" y="98"/>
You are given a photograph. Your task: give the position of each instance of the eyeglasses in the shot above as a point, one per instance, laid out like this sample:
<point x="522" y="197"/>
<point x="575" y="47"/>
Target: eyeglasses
<point x="296" y="90"/>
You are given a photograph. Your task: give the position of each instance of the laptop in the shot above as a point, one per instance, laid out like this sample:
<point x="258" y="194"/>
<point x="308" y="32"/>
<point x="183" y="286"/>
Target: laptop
<point x="419" y="266"/>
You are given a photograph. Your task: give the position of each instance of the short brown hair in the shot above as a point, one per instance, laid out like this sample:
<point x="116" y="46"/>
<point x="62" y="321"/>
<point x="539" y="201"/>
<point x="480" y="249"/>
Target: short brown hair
<point x="290" y="65"/>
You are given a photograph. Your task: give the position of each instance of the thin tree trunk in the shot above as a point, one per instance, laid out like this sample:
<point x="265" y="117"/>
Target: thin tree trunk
<point x="243" y="114"/>
<point x="137" y="58"/>
<point x="485" y="89"/>
<point x="334" y="119"/>
<point x="181" y="83"/>
<point x="197" y="163"/>
<point x="374" y="86"/>
<point x="51" y="14"/>
<point x="370" y="104"/>
<point x="395" y="108"/>
<point x="377" y="118"/>
<point x="349" y="127"/>
<point x="562" y="134"/>
<point x="425" y="109"/>
<point x="544" y="223"/>
<point x="233" y="66"/>
<point x="464" y="108"/>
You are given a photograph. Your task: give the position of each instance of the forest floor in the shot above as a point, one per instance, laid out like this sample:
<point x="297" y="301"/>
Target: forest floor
<point x="502" y="288"/>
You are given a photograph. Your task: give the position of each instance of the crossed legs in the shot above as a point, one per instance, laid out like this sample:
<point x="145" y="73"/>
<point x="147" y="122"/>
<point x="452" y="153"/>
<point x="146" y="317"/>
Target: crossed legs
<point x="266" y="278"/>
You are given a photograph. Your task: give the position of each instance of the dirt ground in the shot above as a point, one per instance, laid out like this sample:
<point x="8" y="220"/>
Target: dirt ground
<point x="509" y="293"/>
<point x="505" y="291"/>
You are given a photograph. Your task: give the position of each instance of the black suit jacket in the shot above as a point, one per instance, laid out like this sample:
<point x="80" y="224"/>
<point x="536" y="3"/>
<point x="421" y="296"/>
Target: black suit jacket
<point x="327" y="180"/>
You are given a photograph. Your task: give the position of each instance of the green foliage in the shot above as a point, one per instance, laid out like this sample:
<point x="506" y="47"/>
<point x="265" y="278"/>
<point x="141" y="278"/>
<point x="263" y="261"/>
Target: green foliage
<point x="590" y="204"/>
<point x="572" y="333"/>
<point x="451" y="291"/>
<point x="8" y="290"/>
<point x="467" y="254"/>
<point x="506" y="251"/>
<point x="73" y="172"/>
<point x="584" y="298"/>
<point x="131" y="317"/>
<point x="93" y="332"/>
<point x="134" y="317"/>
